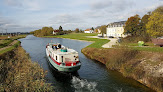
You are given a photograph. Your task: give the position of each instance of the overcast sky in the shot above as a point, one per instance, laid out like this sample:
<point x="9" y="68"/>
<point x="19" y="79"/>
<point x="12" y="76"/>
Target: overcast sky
<point x="28" y="15"/>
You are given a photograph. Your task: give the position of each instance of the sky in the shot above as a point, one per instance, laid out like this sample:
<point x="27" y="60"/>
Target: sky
<point x="29" y="15"/>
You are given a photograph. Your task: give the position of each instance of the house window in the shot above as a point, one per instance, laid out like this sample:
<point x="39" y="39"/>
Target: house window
<point x="56" y="57"/>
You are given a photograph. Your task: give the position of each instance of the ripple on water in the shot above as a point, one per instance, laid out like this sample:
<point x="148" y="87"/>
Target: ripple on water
<point x="82" y="85"/>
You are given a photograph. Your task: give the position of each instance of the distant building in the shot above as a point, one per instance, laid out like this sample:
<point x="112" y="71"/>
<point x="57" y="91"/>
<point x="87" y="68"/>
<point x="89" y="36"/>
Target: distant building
<point x="88" y="31"/>
<point x="116" y="29"/>
<point x="55" y="32"/>
<point x="97" y="29"/>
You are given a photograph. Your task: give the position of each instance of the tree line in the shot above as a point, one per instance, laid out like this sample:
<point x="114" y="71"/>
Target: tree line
<point x="48" y="31"/>
<point x="150" y="25"/>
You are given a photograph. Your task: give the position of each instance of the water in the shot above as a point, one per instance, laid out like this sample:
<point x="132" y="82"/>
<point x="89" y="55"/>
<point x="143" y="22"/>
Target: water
<point x="92" y="76"/>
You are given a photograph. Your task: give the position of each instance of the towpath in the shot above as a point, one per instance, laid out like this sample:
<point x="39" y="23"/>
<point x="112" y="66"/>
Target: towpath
<point x="15" y="41"/>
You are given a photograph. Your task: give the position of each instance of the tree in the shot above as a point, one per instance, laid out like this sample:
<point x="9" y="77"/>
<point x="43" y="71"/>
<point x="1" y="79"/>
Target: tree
<point x="60" y="28"/>
<point x="92" y="28"/>
<point x="77" y="30"/>
<point x="155" y="23"/>
<point x="32" y="32"/>
<point x="103" y="29"/>
<point x="81" y="31"/>
<point x="132" y="25"/>
<point x="142" y="26"/>
<point x="96" y="30"/>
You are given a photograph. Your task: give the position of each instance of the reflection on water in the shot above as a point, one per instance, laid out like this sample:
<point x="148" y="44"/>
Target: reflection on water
<point x="91" y="77"/>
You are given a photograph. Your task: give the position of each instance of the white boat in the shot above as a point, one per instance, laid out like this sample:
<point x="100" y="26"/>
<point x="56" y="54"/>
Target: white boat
<point x="62" y="58"/>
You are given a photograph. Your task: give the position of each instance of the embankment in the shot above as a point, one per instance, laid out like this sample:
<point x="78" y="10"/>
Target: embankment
<point x="18" y="73"/>
<point x="145" y="67"/>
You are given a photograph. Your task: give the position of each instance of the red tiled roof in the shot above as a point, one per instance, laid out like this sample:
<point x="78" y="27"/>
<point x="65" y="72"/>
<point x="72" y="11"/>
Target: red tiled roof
<point x="56" y="30"/>
<point x="88" y="29"/>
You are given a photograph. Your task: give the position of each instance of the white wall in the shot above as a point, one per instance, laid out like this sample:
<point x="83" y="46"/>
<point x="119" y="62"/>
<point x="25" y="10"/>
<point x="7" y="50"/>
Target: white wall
<point x="115" y="31"/>
<point x="90" y="31"/>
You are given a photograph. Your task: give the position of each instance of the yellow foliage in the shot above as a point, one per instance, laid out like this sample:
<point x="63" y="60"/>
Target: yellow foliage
<point x="155" y="24"/>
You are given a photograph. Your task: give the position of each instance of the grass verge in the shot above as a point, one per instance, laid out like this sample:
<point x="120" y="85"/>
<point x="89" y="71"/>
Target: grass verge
<point x="82" y="36"/>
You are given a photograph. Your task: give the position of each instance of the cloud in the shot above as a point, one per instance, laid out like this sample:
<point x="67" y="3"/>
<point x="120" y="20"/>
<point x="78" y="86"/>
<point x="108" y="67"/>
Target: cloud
<point x="68" y="21"/>
<point x="112" y="5"/>
<point x="66" y="18"/>
<point x="3" y="21"/>
<point x="101" y="5"/>
<point x="32" y="5"/>
<point x="71" y="14"/>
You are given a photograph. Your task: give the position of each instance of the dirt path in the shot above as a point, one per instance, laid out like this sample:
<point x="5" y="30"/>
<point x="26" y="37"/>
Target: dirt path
<point x="15" y="41"/>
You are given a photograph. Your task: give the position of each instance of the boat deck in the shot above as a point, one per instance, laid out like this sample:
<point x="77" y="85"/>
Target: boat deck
<point x="58" y="51"/>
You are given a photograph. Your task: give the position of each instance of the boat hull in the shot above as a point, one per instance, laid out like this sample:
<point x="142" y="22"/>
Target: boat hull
<point x="63" y="68"/>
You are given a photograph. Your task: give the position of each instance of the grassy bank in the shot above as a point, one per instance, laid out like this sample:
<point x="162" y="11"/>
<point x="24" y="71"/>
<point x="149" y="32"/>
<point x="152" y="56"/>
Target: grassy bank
<point x="9" y="48"/>
<point x="139" y="65"/>
<point x="8" y="44"/>
<point x="82" y="36"/>
<point x="18" y="73"/>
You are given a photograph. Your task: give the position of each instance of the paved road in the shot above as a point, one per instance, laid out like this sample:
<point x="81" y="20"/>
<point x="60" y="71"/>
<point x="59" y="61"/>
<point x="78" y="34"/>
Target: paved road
<point x="109" y="44"/>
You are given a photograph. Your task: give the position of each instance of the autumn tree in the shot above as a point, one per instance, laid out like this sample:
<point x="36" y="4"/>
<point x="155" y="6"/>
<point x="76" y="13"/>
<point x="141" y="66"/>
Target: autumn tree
<point x="103" y="29"/>
<point x="77" y="30"/>
<point x="132" y="25"/>
<point x="96" y="30"/>
<point x="155" y="23"/>
<point x="142" y="26"/>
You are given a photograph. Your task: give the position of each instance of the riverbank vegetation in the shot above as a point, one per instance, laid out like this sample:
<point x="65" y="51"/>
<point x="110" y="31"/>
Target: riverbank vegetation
<point x="49" y="31"/>
<point x="18" y="73"/>
<point x="145" y="28"/>
<point x="97" y="43"/>
<point x="143" y="66"/>
<point x="8" y="44"/>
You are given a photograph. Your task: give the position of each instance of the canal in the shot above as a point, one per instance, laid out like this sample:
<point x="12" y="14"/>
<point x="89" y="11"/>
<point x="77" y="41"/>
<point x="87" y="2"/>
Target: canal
<point x="92" y="76"/>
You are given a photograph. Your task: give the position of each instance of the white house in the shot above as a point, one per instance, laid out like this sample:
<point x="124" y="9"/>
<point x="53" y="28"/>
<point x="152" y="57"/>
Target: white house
<point x="116" y="29"/>
<point x="55" y="32"/>
<point x="88" y="31"/>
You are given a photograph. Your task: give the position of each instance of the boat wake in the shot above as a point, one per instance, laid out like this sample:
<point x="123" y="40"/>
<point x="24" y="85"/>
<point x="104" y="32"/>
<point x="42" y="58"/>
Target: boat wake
<point x="81" y="85"/>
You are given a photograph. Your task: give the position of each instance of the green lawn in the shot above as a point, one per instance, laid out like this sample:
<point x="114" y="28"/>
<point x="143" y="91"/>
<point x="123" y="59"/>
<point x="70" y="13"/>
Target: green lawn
<point x="136" y="44"/>
<point x="149" y="46"/>
<point x="151" y="49"/>
<point x="82" y="36"/>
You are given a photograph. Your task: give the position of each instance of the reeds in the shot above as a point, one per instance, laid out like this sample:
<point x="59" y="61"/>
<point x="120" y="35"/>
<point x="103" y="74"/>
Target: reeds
<point x="21" y="74"/>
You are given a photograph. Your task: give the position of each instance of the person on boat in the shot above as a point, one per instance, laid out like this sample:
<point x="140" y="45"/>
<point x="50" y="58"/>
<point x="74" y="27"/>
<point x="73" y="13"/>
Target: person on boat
<point x="56" y="47"/>
<point x="59" y="45"/>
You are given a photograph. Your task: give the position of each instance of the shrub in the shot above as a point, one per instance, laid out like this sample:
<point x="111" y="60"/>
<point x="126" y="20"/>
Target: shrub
<point x="135" y="39"/>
